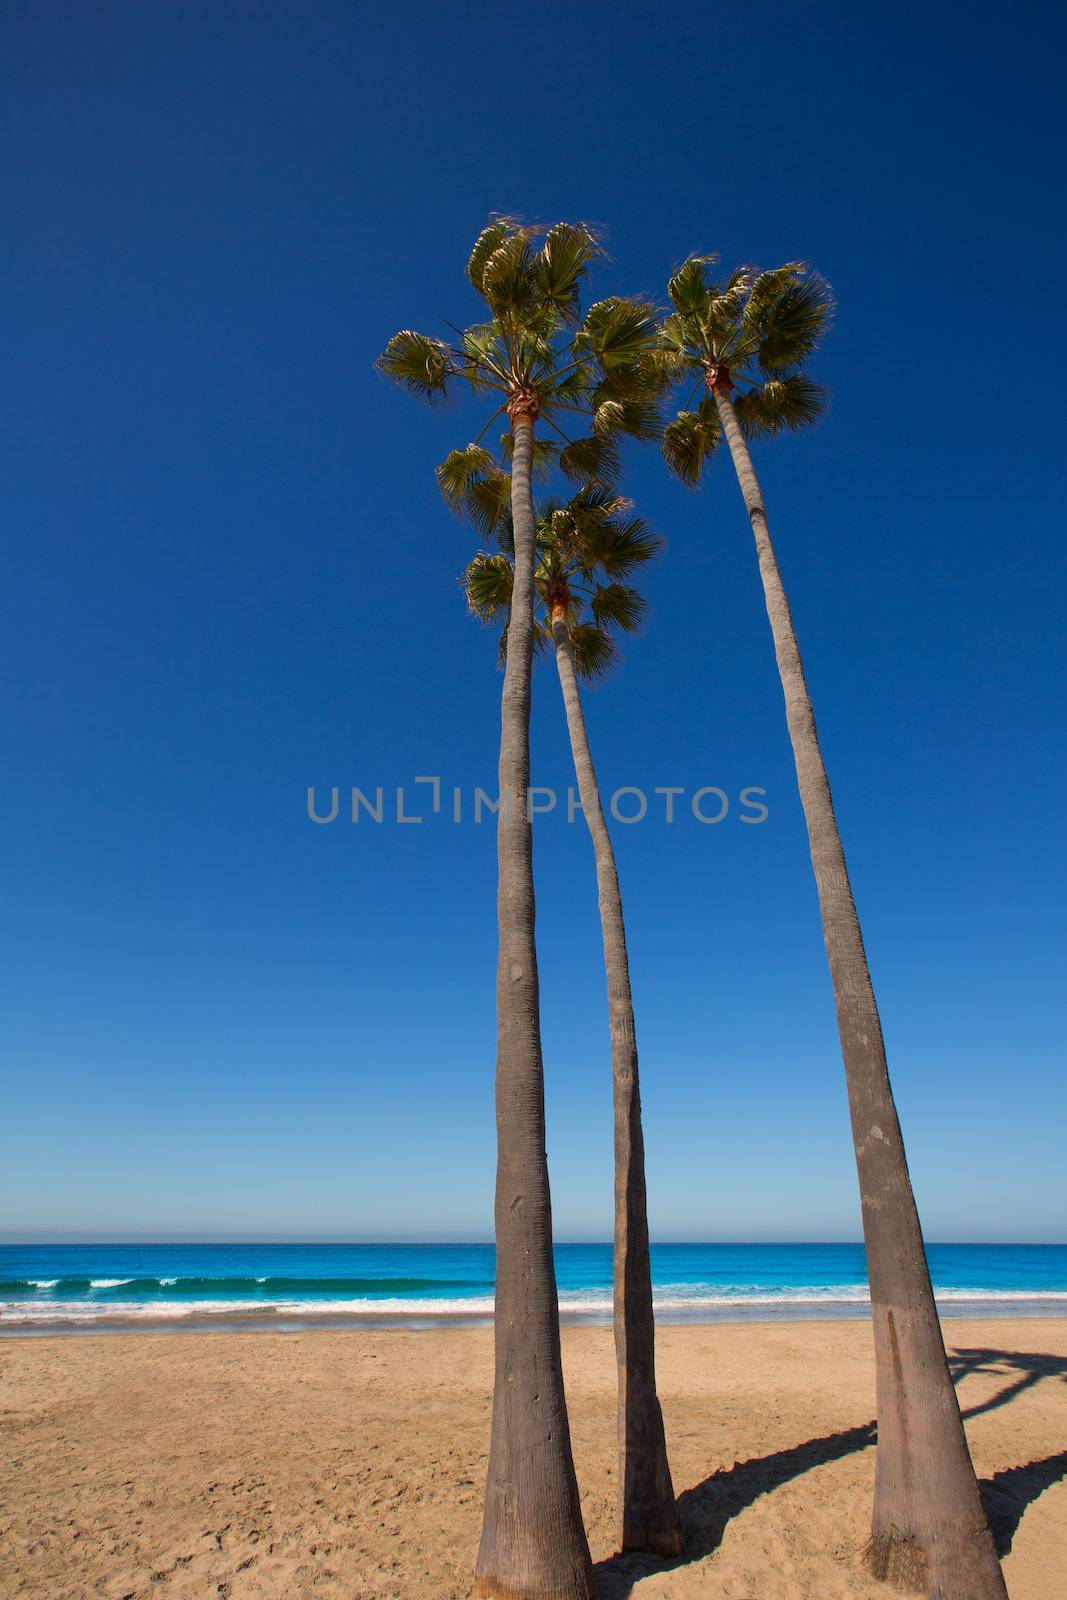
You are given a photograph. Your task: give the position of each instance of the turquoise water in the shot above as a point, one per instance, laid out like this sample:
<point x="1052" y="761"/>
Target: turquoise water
<point x="63" y="1287"/>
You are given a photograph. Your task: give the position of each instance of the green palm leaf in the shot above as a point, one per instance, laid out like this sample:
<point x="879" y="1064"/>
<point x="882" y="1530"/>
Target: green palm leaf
<point x="615" y="605"/>
<point x="572" y="390"/>
<point x="561" y="263"/>
<point x="621" y="546"/>
<point x="619" y="332"/>
<point x="487" y="503"/>
<point x="596" y="458"/>
<point x="767" y="288"/>
<point x="782" y="404"/>
<point x="418" y="363"/>
<point x="594" y="499"/>
<point x="488" y="583"/>
<point x="594" y="651"/>
<point x="489" y="240"/>
<point x="793" y="325"/>
<point x="508" y="281"/>
<point x="483" y="345"/>
<point x="680" y="347"/>
<point x="690" y="440"/>
<point x="637" y="418"/>
<point x="690" y="288"/>
<point x="456" y="472"/>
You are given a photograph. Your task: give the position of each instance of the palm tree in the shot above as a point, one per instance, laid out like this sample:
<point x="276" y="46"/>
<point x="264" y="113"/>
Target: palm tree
<point x="745" y="342"/>
<point x="536" y="360"/>
<point x="586" y="548"/>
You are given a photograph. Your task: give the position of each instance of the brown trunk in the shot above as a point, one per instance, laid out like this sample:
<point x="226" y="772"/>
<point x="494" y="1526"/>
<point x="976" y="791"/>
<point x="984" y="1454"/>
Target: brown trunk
<point x="929" y="1528"/>
<point x="648" y="1517"/>
<point x="533" y="1543"/>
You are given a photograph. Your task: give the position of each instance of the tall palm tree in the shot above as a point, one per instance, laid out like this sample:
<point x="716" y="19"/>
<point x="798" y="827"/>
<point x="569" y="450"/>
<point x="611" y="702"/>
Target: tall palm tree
<point x="536" y="360"/>
<point x="585" y="549"/>
<point x="743" y="344"/>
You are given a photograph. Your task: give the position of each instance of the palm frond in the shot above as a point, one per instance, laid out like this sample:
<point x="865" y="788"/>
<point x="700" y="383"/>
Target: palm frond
<point x="636" y="418"/>
<point x="767" y="287"/>
<point x="607" y="417"/>
<point x="615" y="605"/>
<point x="596" y="499"/>
<point x="561" y="263"/>
<point x="690" y="287"/>
<point x="488" y="582"/>
<point x="617" y="547"/>
<point x="680" y="347"/>
<point x="793" y="325"/>
<point x="595" y="459"/>
<point x="456" y="471"/>
<point x="643" y="379"/>
<point x="690" y="440"/>
<point x="508" y="282"/>
<point x="571" y="390"/>
<point x="487" y="503"/>
<point x="489" y="240"/>
<point x="722" y="322"/>
<point x="483" y="344"/>
<point x="533" y="328"/>
<point x="594" y="651"/>
<point x="781" y="404"/>
<point x="619" y="331"/>
<point x="419" y="364"/>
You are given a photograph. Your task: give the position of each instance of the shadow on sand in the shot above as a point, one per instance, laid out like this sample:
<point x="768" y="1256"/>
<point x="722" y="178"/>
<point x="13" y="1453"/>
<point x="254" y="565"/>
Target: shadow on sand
<point x="707" y="1508"/>
<point x="1031" y="1367"/>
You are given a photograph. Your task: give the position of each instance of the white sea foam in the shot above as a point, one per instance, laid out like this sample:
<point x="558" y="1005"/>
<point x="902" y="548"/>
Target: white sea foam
<point x="43" y="1283"/>
<point x="686" y="1300"/>
<point x="677" y="1301"/>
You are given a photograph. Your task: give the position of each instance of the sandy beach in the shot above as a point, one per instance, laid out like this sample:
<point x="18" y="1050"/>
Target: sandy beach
<point x="351" y="1463"/>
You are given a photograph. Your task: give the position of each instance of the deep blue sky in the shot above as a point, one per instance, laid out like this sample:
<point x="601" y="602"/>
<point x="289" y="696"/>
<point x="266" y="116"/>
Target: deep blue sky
<point x="228" y="576"/>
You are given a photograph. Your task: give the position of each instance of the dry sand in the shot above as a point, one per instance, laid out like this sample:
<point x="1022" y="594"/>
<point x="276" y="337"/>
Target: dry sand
<point x="351" y="1463"/>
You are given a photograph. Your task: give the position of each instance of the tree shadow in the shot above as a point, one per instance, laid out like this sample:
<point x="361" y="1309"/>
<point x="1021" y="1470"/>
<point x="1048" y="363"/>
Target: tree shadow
<point x="1032" y="1367"/>
<point x="707" y="1508"/>
<point x="1007" y="1494"/>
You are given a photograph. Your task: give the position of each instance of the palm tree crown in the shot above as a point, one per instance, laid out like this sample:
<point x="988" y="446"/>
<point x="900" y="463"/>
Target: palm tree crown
<point x="585" y="548"/>
<point x="749" y="335"/>
<point x="538" y="357"/>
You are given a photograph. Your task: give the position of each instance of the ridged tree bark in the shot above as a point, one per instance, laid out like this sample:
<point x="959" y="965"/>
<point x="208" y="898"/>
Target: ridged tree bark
<point x="929" y="1527"/>
<point x="533" y="1544"/>
<point x="647" y="1514"/>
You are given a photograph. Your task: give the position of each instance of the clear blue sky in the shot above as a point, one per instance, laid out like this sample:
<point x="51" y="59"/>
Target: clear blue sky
<point x="228" y="576"/>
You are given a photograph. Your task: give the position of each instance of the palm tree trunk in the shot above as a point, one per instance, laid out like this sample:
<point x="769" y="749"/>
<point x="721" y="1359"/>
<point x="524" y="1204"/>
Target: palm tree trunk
<point x="648" y="1516"/>
<point x="533" y="1543"/>
<point x="929" y="1527"/>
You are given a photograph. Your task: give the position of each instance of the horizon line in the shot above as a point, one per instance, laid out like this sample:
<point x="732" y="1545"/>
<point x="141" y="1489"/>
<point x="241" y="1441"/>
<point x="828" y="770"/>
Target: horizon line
<point x="16" y="1237"/>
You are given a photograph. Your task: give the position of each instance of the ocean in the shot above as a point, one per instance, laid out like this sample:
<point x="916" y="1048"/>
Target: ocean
<point x="101" y="1287"/>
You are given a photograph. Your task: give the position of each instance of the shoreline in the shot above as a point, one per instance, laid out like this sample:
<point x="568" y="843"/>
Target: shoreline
<point x="267" y="1319"/>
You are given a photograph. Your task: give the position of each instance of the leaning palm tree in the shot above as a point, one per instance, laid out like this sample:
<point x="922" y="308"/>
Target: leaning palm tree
<point x="743" y="344"/>
<point x="586" y="549"/>
<point x="535" y="360"/>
